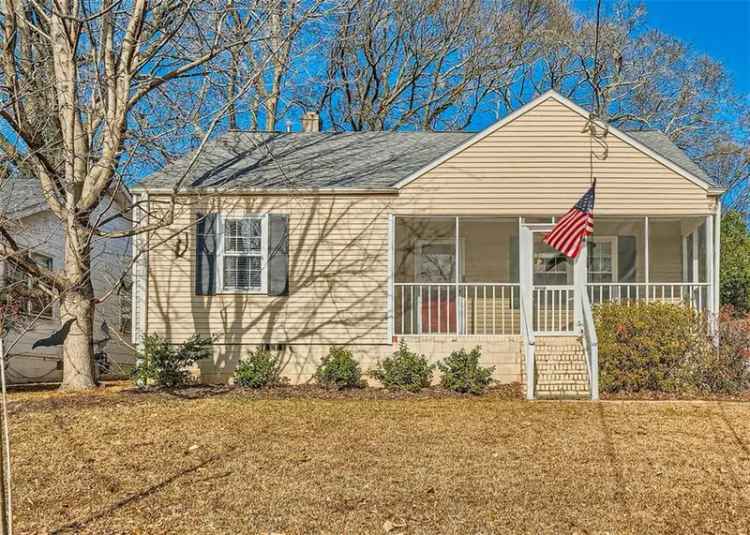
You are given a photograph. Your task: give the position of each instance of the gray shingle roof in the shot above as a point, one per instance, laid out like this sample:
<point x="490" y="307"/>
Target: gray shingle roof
<point x="311" y="160"/>
<point x="661" y="144"/>
<point x="370" y="160"/>
<point x="18" y="196"/>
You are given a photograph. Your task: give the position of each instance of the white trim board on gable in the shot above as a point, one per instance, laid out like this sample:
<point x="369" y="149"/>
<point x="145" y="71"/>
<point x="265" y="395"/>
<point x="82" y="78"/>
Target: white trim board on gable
<point x="579" y="110"/>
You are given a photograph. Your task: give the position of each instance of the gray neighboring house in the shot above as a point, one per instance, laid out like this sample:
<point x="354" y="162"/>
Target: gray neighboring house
<point x="33" y="225"/>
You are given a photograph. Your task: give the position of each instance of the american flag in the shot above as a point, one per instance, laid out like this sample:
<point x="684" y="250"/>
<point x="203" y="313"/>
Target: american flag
<point x="567" y="235"/>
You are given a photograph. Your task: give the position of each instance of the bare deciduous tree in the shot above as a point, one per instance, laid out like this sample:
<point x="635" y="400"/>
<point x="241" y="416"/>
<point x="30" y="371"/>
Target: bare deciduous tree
<point x="641" y="78"/>
<point x="425" y="64"/>
<point x="78" y="79"/>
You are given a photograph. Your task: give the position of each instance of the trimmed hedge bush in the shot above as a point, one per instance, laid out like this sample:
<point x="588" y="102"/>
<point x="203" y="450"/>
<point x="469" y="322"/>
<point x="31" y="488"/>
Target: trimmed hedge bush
<point x="461" y="372"/>
<point x="664" y="347"/>
<point x="338" y="369"/>
<point x="405" y="370"/>
<point x="728" y="368"/>
<point x="262" y="367"/>
<point x="163" y="364"/>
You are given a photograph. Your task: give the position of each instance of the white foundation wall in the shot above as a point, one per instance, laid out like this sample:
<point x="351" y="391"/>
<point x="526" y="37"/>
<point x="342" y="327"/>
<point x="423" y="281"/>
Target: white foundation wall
<point x="301" y="361"/>
<point x="502" y="352"/>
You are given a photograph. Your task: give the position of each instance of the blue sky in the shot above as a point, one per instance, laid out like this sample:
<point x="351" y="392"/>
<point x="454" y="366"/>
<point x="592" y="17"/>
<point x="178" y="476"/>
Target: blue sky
<point x="720" y="28"/>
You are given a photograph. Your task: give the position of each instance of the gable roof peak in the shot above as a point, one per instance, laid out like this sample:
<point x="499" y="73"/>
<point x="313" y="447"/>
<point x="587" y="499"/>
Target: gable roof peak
<point x="691" y="171"/>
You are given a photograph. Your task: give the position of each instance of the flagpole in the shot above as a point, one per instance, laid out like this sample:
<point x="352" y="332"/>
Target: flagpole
<point x="5" y="469"/>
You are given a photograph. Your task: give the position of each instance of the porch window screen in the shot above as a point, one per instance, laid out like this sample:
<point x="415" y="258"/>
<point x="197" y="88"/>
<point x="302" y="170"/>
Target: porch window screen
<point x="627" y="257"/>
<point x="456" y="275"/>
<point x="665" y="250"/>
<point x="702" y="277"/>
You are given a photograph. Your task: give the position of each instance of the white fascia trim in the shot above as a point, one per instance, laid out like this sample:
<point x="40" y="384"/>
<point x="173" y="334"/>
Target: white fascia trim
<point x="270" y="191"/>
<point x="551" y="94"/>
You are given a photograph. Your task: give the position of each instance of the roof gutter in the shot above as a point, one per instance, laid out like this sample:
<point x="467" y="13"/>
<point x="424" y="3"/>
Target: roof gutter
<point x="268" y="191"/>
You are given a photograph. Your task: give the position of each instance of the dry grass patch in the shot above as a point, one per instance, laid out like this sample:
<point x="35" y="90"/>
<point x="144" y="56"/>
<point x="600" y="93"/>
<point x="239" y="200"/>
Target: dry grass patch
<point x="229" y="463"/>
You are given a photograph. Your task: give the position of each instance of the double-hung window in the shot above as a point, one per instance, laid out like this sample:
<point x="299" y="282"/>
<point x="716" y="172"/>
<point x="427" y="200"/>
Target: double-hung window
<point x="35" y="301"/>
<point x="243" y="258"/>
<point x="126" y="307"/>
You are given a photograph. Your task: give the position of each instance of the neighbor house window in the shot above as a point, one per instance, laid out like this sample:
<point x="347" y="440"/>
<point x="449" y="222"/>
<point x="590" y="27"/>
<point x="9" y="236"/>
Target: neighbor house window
<point x="35" y="301"/>
<point x="243" y="254"/>
<point x="603" y="259"/>
<point x="126" y="307"/>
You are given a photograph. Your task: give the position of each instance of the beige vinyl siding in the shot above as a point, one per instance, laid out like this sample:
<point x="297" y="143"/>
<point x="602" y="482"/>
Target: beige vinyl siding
<point x="338" y="262"/>
<point x="539" y="164"/>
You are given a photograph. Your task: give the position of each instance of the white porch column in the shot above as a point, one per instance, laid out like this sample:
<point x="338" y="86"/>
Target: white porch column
<point x="459" y="304"/>
<point x="709" y="269"/>
<point x="580" y="279"/>
<point x="714" y="260"/>
<point x="647" y="274"/>
<point x="525" y="279"/>
<point x="391" y="268"/>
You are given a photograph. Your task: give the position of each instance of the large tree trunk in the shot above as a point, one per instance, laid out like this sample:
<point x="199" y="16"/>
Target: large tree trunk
<point x="77" y="307"/>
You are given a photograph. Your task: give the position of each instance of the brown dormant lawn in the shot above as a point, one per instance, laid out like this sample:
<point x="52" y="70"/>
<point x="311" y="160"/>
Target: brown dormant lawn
<point x="228" y="462"/>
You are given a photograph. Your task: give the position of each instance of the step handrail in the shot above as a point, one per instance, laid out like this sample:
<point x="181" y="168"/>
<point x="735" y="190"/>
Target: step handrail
<point x="591" y="345"/>
<point x="527" y="329"/>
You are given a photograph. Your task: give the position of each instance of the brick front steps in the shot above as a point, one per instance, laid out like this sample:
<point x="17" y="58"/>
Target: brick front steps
<point x="561" y="370"/>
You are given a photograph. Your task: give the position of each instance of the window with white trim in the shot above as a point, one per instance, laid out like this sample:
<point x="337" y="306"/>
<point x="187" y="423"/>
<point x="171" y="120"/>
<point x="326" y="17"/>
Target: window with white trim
<point x="126" y="307"/>
<point x="34" y="299"/>
<point x="243" y="254"/>
<point x="603" y="259"/>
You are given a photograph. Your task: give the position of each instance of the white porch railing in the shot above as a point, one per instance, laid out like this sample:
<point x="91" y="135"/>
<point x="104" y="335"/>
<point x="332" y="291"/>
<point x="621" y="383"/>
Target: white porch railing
<point x="692" y="294"/>
<point x="494" y="309"/>
<point x="464" y="308"/>
<point x="554" y="309"/>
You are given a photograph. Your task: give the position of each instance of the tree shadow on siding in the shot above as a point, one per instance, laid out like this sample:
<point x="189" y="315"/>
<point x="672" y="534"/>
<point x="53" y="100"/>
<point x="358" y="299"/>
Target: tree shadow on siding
<point x="338" y="250"/>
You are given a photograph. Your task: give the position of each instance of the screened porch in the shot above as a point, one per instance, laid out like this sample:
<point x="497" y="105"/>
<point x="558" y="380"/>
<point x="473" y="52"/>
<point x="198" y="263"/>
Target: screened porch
<point x="464" y="275"/>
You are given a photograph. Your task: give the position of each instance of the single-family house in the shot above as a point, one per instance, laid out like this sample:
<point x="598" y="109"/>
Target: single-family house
<point x="298" y="241"/>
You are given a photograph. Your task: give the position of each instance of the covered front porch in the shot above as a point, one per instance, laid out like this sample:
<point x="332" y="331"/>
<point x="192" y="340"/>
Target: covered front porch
<point x="494" y="277"/>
